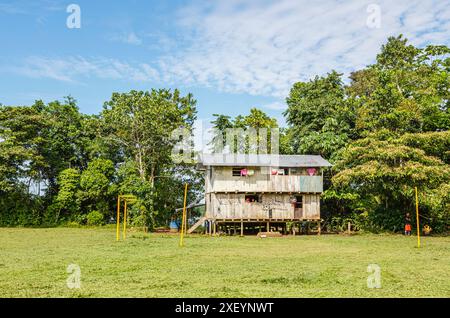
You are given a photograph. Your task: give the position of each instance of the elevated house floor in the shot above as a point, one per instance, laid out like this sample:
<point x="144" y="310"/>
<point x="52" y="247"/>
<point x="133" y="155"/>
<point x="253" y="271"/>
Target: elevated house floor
<point x="252" y="195"/>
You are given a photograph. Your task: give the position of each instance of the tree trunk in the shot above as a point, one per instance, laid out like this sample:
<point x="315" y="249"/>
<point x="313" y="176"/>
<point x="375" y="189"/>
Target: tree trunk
<point x="140" y="164"/>
<point x="152" y="186"/>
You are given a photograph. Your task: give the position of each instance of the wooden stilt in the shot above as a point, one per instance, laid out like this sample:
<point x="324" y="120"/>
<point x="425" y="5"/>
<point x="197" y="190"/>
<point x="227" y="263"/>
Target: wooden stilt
<point x="318" y="229"/>
<point x="268" y="226"/>
<point x="214" y="228"/>
<point x="242" y="227"/>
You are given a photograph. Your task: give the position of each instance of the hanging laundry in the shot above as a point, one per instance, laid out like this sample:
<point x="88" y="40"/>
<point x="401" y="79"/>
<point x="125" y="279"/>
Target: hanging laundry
<point x="281" y="172"/>
<point x="244" y="172"/>
<point x="250" y="172"/>
<point x="274" y="172"/>
<point x="311" y="171"/>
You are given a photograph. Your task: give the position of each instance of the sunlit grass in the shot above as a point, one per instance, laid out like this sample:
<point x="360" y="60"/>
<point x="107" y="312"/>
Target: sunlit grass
<point x="33" y="263"/>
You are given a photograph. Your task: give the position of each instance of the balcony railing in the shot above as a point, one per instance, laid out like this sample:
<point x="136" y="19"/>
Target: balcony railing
<point x="267" y="183"/>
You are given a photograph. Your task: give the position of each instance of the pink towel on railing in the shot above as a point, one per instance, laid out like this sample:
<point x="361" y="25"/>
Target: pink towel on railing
<point x="311" y="171"/>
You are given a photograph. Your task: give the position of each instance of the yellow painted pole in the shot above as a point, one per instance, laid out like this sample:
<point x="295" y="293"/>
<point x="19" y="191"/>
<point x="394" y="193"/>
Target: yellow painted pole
<point x="125" y="221"/>
<point x="118" y="218"/>
<point x="183" y="219"/>
<point x="185" y="222"/>
<point x="417" y="219"/>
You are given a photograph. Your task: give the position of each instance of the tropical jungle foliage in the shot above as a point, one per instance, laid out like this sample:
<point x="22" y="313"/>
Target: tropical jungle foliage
<point x="385" y="129"/>
<point x="58" y="165"/>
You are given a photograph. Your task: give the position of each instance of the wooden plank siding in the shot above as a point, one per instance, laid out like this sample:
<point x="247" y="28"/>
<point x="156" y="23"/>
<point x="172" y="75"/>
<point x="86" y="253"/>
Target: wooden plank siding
<point x="312" y="184"/>
<point x="225" y="195"/>
<point x="232" y="206"/>
<point x="220" y="179"/>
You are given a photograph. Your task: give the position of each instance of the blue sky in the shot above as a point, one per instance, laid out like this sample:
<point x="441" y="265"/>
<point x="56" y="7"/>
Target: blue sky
<point x="232" y="55"/>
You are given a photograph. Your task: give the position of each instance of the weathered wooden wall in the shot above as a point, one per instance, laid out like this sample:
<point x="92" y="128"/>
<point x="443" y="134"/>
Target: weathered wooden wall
<point x="233" y="206"/>
<point x="220" y="179"/>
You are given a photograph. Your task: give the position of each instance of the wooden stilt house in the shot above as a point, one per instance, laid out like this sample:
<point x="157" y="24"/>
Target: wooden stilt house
<point x="261" y="191"/>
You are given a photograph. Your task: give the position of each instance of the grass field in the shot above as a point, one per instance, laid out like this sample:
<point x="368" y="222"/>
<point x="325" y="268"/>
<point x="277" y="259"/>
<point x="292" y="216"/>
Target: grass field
<point x="33" y="263"/>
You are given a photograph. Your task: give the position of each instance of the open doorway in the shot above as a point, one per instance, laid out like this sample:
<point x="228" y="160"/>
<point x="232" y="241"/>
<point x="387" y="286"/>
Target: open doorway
<point x="298" y="206"/>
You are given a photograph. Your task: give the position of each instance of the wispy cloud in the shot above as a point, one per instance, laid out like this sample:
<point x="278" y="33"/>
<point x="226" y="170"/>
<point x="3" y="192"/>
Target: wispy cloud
<point x="262" y="48"/>
<point x="127" y="38"/>
<point x="275" y="106"/>
<point x="30" y="7"/>
<point x="74" y="68"/>
<point x="11" y="8"/>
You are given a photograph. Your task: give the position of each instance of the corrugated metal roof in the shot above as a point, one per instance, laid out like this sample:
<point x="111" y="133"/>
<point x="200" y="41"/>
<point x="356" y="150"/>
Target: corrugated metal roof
<point x="252" y="160"/>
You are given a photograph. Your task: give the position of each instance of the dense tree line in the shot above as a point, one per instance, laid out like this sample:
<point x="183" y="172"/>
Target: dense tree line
<point x="386" y="130"/>
<point x="58" y="165"/>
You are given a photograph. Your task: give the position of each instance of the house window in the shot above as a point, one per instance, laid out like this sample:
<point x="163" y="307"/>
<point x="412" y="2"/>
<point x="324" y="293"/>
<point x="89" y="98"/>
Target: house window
<point x="243" y="172"/>
<point x="298" y="201"/>
<point x="237" y="171"/>
<point x="251" y="198"/>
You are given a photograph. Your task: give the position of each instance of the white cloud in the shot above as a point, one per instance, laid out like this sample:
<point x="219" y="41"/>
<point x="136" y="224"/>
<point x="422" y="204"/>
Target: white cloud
<point x="10" y="8"/>
<point x="262" y="48"/>
<point x="275" y="106"/>
<point x="127" y="38"/>
<point x="26" y="7"/>
<point x="74" y="68"/>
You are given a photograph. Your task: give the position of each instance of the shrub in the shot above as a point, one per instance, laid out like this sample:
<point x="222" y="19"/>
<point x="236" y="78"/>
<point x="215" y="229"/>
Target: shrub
<point x="94" y="218"/>
<point x="81" y="219"/>
<point x="72" y="224"/>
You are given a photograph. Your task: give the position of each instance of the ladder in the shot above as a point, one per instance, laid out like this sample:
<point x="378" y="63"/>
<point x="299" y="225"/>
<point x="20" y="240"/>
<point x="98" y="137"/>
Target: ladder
<point x="196" y="225"/>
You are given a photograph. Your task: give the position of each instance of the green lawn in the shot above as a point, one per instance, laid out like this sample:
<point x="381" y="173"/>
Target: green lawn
<point x="33" y="263"/>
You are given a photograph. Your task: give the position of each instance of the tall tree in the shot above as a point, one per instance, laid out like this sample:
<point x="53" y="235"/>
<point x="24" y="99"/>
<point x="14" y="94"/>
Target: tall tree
<point x="382" y="171"/>
<point x="320" y="118"/>
<point x="407" y="90"/>
<point x="220" y="124"/>
<point x="379" y="130"/>
<point x="142" y="124"/>
<point x="255" y="120"/>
